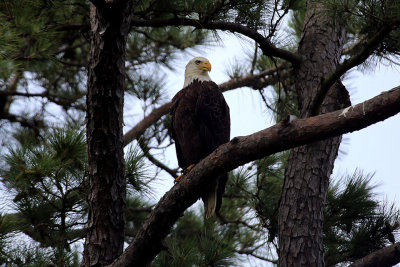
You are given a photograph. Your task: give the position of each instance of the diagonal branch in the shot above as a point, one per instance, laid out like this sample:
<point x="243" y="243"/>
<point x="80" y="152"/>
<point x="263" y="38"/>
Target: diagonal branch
<point x="367" y="49"/>
<point x="150" y="157"/>
<point x="388" y="256"/>
<point x="240" y="150"/>
<point x="265" y="45"/>
<point x="139" y="128"/>
<point x="256" y="81"/>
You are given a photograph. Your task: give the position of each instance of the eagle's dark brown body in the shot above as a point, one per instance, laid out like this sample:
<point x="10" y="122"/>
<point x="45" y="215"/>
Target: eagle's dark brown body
<point x="200" y="123"/>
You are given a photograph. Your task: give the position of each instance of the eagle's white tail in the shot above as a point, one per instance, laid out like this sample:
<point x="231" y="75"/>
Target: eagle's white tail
<point x="210" y="202"/>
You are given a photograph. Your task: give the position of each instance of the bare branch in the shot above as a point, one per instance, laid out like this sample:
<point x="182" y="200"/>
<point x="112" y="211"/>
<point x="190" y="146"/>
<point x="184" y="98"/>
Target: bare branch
<point x="252" y="253"/>
<point x="255" y="81"/>
<point x="355" y="46"/>
<point x="32" y="123"/>
<point x="65" y="102"/>
<point x="149" y="156"/>
<point x="265" y="45"/>
<point x="240" y="150"/>
<point x="139" y="129"/>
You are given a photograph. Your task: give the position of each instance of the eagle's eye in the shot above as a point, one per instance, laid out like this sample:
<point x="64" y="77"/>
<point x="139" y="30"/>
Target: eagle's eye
<point x="197" y="62"/>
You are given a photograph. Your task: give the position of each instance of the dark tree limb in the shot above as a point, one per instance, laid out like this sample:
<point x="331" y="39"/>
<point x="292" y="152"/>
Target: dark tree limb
<point x="384" y="257"/>
<point x="65" y="102"/>
<point x="33" y="123"/>
<point x="5" y="99"/>
<point x="150" y="157"/>
<point x="265" y="45"/>
<point x="240" y="150"/>
<point x="150" y="119"/>
<point x="106" y="167"/>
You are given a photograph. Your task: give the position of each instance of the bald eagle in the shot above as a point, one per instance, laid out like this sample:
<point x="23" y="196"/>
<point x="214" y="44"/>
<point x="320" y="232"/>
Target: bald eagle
<point x="200" y="123"/>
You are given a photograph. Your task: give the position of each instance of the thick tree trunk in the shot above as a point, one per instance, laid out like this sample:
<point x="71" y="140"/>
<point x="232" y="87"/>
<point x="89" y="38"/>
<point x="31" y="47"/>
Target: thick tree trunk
<point x="309" y="167"/>
<point x="106" y="75"/>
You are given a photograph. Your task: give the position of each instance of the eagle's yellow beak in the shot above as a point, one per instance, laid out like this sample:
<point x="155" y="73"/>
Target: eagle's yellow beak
<point x="206" y="65"/>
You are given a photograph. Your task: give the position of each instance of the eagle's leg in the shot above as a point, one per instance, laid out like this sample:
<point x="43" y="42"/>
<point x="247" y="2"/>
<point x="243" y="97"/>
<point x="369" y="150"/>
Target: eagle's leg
<point x="185" y="171"/>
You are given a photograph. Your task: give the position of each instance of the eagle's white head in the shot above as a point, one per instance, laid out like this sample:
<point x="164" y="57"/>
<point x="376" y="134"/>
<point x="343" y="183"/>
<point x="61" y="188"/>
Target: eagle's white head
<point x="197" y="68"/>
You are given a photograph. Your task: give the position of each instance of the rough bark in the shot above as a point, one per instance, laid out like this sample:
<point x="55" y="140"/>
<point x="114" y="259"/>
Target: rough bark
<point x="309" y="167"/>
<point x="385" y="257"/>
<point x="240" y="150"/>
<point x="106" y="75"/>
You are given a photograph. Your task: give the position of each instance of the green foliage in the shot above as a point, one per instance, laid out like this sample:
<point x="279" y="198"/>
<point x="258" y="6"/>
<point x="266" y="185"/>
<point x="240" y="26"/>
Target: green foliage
<point x="363" y="21"/>
<point x="251" y="13"/>
<point x="49" y="185"/>
<point x="149" y="89"/>
<point x="137" y="210"/>
<point x="38" y="34"/>
<point x="356" y="223"/>
<point x="296" y="22"/>
<point x="353" y="202"/>
<point x="35" y="256"/>
<point x="196" y="243"/>
<point x="283" y="102"/>
<point x="270" y="173"/>
<point x="136" y="171"/>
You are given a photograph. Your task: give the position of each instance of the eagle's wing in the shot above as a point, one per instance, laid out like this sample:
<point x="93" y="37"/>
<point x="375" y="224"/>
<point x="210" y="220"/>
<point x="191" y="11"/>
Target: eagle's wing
<point x="212" y="113"/>
<point x="175" y="102"/>
<point x="213" y="116"/>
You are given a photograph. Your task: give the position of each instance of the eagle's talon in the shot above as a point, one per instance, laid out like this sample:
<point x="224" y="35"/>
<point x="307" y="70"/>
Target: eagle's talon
<point x="185" y="171"/>
<point x="177" y="179"/>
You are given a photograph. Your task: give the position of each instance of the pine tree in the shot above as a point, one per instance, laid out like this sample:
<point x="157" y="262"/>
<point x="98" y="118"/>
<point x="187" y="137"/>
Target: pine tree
<point x="45" y="47"/>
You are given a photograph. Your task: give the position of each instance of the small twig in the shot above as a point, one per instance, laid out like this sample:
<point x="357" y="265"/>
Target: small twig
<point x="146" y="152"/>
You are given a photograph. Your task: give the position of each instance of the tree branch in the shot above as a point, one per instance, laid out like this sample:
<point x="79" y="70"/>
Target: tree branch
<point x="367" y="49"/>
<point x="255" y="81"/>
<point x="265" y="45"/>
<point x="139" y="128"/>
<point x="384" y="257"/>
<point x="150" y="157"/>
<point x="240" y="150"/>
<point x="6" y="100"/>
<point x="251" y="80"/>
<point x="59" y="100"/>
